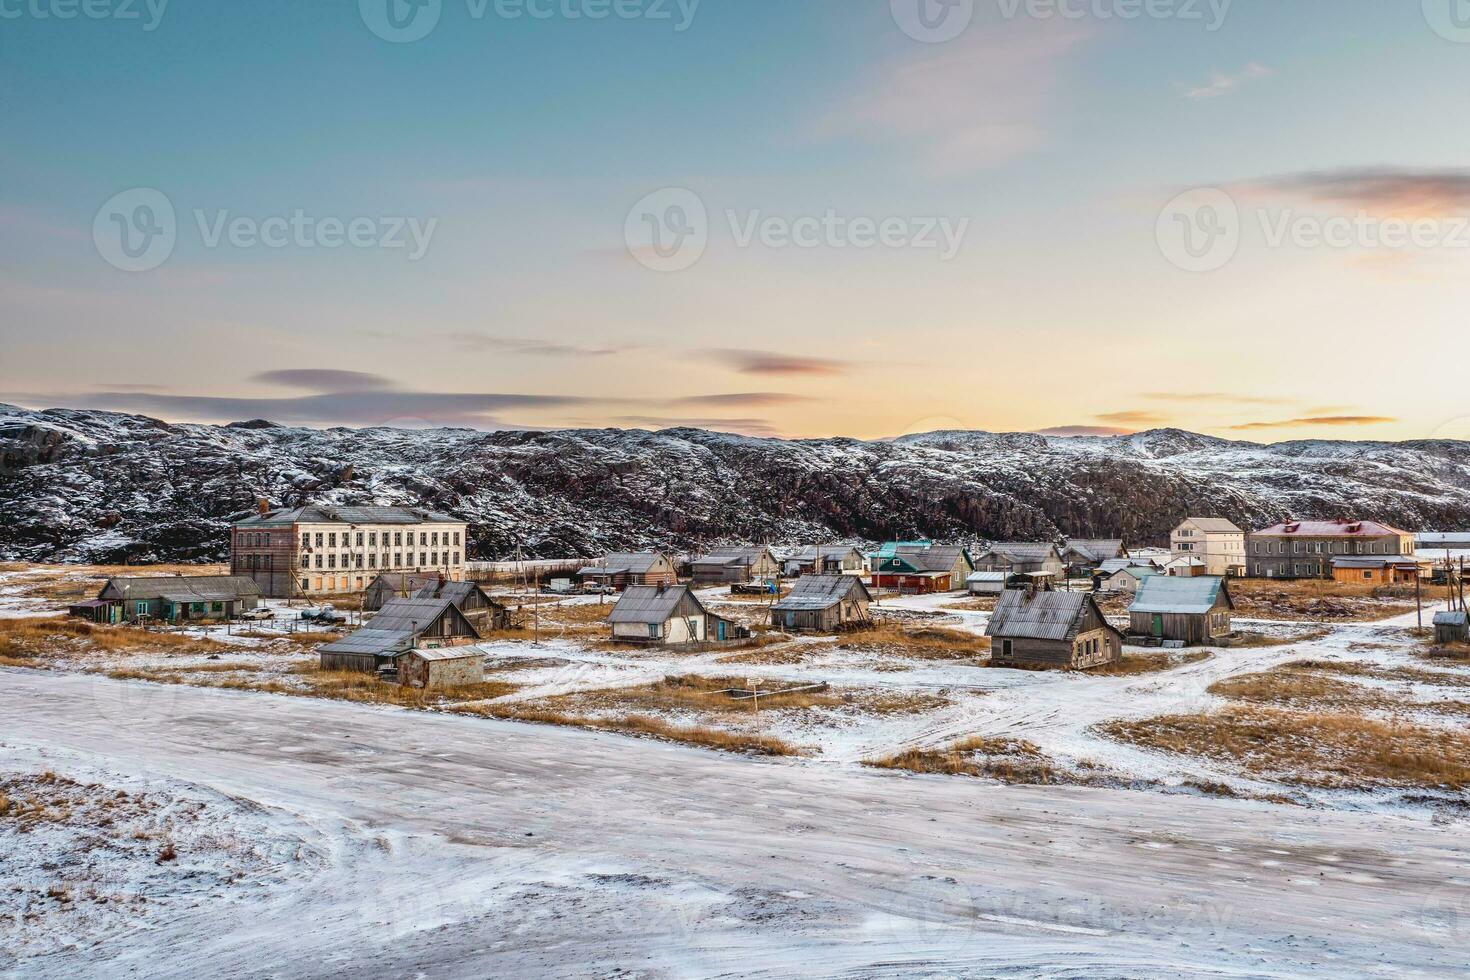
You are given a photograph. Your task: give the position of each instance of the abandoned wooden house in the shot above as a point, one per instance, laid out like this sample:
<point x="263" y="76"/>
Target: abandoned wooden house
<point x="484" y="613"/>
<point x="623" y="569"/>
<point x="828" y="559"/>
<point x="1082" y="556"/>
<point x="1022" y="558"/>
<point x="400" y="626"/>
<point x="1385" y="570"/>
<point x="1064" y="630"/>
<point x="735" y="565"/>
<point x="921" y="567"/>
<point x="823" y="603"/>
<point x="1452" y="627"/>
<point x="1194" y="611"/>
<point x="440" y="668"/>
<point x="394" y="585"/>
<point x="170" y="599"/>
<point x="667" y="615"/>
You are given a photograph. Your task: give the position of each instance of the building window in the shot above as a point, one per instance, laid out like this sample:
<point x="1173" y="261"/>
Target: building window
<point x="319" y="559"/>
<point x="372" y="539"/>
<point x="305" y="541"/>
<point x="373" y="560"/>
<point x="456" y="538"/>
<point x="397" y="539"/>
<point x="435" y="538"/>
<point x="423" y="558"/>
<point x="397" y="559"/>
<point x="318" y="539"/>
<point x="456" y="558"/>
<point x="358" y="558"/>
<point x="332" y="561"/>
<point x="434" y="558"/>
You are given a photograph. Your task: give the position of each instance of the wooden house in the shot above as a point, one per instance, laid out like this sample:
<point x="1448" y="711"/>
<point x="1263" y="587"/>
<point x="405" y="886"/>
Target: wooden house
<point x="1371" y="570"/>
<point x="400" y="626"/>
<point x="1021" y="558"/>
<point x="171" y="598"/>
<point x="922" y="567"/>
<point x="394" y="585"/>
<point x="735" y="566"/>
<point x="1451" y="627"/>
<point x="1082" y="556"/>
<point x="1195" y="610"/>
<point x="827" y="559"/>
<point x="440" y="668"/>
<point x="483" y="612"/>
<point x="1064" y="630"/>
<point x="823" y="603"/>
<point x="623" y="569"/>
<point x="1126" y="579"/>
<point x="667" y="615"/>
<point x="987" y="583"/>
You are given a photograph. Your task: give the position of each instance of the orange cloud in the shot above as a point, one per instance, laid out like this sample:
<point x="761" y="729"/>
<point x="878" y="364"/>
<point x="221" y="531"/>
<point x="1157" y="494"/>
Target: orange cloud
<point x="1320" y="420"/>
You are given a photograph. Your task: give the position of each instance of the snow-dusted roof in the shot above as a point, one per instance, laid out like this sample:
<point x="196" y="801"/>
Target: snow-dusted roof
<point x="1451" y="619"/>
<point x="1329" y="529"/>
<point x="1043" y="616"/>
<point x="443" y="653"/>
<point x="1376" y="561"/>
<point x="369" y="640"/>
<point x="1023" y="550"/>
<point x="183" y="588"/>
<point x="823" y="592"/>
<point x="1192" y="595"/>
<point x="1213" y="525"/>
<point x="410" y="615"/>
<point x="1096" y="549"/>
<point x="333" y="514"/>
<point x="625" y="562"/>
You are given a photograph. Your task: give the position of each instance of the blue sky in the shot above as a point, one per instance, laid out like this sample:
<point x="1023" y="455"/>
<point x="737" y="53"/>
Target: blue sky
<point x="1056" y="141"/>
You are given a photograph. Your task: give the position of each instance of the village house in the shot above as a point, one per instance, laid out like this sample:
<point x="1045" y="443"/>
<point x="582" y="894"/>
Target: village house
<point x="1304" y="549"/>
<point x="1063" y="630"/>
<point x="484" y="613"/>
<point x="1192" y="611"/>
<point x="1022" y="558"/>
<point x="823" y="603"/>
<point x="828" y="559"/>
<point x="987" y="583"/>
<point x="400" y="626"/>
<point x="440" y="668"/>
<point x="622" y="569"/>
<point x="921" y="567"/>
<point x="667" y="615"/>
<point x="1185" y="566"/>
<point x="394" y="585"/>
<point x="1218" y="543"/>
<point x="1081" y="556"/>
<point x="170" y="598"/>
<point x="1385" y="570"/>
<point x="321" y="549"/>
<point x="735" y="565"/>
<point x="1126" y="578"/>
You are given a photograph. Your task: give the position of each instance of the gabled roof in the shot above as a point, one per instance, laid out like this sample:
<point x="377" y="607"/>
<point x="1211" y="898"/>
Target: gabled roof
<point x="934" y="558"/>
<point x="1329" y="529"/>
<point x="410" y="582"/>
<point x="1139" y="572"/>
<point x="1022" y="551"/>
<point x="650" y="604"/>
<point x="333" y="514"/>
<point x="1451" y="619"/>
<point x="813" y="592"/>
<point x="183" y="588"/>
<point x="1213" y="525"/>
<point x="1377" y="561"/>
<point x="412" y="615"/>
<point x="1042" y="616"/>
<point x="456" y="592"/>
<point x="1096" y="549"/>
<point x="369" y="640"/>
<point x="1112" y="565"/>
<point x="626" y="563"/>
<point x="1176" y="594"/>
<point x="444" y="653"/>
<point x="732" y="556"/>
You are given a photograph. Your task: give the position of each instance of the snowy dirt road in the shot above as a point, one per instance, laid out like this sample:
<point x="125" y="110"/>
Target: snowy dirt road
<point x="457" y="847"/>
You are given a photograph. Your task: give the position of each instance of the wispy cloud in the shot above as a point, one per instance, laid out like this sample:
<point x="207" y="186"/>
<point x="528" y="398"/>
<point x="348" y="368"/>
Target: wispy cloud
<point x="746" y="427"/>
<point x="1219" y="397"/>
<point x="1084" y="430"/>
<point x="320" y="379"/>
<point x="530" y="347"/>
<point x="743" y="399"/>
<point x="1133" y="418"/>
<point x="1223" y="84"/>
<point x="1383" y="191"/>
<point x="974" y="102"/>
<point x="1321" y="420"/>
<point x="769" y="362"/>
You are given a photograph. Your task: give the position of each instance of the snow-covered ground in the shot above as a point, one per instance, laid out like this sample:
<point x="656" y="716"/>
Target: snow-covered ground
<point x="455" y="847"/>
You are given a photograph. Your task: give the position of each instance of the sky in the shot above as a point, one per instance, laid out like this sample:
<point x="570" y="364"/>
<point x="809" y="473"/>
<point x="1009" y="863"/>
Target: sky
<point x="810" y="218"/>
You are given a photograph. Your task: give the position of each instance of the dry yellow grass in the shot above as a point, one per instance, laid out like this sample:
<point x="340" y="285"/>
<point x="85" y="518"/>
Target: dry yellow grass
<point x="640" y="725"/>
<point x="1310" y="685"/>
<point x="27" y="639"/>
<point x="1325" y="750"/>
<point x="1320" y="600"/>
<point x="703" y="695"/>
<point x="1134" y="664"/>
<point x="918" y="642"/>
<point x="1006" y="759"/>
<point x="71" y="583"/>
<point x="1244" y="639"/>
<point x="311" y="681"/>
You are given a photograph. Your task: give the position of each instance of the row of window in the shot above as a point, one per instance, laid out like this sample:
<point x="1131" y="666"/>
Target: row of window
<point x="1331" y="548"/>
<point x="426" y="559"/>
<point x="1296" y="568"/>
<point x="369" y="539"/>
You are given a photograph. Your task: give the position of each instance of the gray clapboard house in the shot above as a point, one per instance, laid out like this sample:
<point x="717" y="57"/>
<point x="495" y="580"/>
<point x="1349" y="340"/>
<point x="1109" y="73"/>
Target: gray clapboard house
<point x="1063" y="630"/>
<point x="171" y="598"/>
<point x="400" y="626"/>
<point x="666" y="615"/>
<point x="823" y="603"/>
<point x="1193" y="610"/>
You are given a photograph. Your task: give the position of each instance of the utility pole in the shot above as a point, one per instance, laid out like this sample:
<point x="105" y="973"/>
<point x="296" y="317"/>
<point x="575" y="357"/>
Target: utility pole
<point x="1419" y="599"/>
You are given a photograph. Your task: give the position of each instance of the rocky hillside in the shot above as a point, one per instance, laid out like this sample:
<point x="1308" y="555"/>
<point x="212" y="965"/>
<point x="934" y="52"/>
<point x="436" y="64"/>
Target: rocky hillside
<point x="98" y="486"/>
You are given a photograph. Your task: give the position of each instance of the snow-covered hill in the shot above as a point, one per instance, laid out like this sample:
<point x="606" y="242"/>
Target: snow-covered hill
<point x="99" y="486"/>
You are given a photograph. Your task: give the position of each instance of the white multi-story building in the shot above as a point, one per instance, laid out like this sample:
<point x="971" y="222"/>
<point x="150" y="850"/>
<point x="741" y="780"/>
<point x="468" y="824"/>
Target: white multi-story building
<point x="323" y="548"/>
<point x="1214" y="540"/>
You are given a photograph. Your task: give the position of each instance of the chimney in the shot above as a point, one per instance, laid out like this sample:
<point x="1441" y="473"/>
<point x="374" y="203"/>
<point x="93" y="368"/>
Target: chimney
<point x="262" y="505"/>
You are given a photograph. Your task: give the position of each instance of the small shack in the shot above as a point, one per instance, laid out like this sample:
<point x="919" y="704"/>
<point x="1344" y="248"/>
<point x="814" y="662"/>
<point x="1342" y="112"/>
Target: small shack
<point x="735" y="565"/>
<point x="1377" y="569"/>
<point x="987" y="583"/>
<point x="394" y="585"/>
<point x="1126" y="579"/>
<point x="1020" y="557"/>
<point x="1192" y="610"/>
<point x="1063" y="630"/>
<point x="400" y="626"/>
<point x="667" y="615"/>
<point x="1082" y="556"/>
<point x="484" y="613"/>
<point x="823" y="603"/>
<point x="622" y="569"/>
<point x="440" y="668"/>
<point x="1452" y="627"/>
<point x="171" y="598"/>
<point x="825" y="560"/>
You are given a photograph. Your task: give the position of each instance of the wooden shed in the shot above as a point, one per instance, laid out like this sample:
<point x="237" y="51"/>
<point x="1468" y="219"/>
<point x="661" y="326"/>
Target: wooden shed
<point x="1193" y="610"/>
<point x="665" y="615"/>
<point x="735" y="565"/>
<point x="400" y="626"/>
<point x="395" y="585"/>
<point x="1451" y="627"/>
<point x="440" y="668"/>
<point x="484" y="613"/>
<point x="823" y="603"/>
<point x="1064" y="630"/>
<point x="622" y="569"/>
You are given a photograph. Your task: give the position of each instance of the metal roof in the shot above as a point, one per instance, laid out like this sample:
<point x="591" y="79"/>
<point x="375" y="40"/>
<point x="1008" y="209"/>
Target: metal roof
<point x="635" y="563"/>
<point x="1376" y="561"/>
<point x="1213" y="525"/>
<point x="1329" y="529"/>
<point x="1451" y="619"/>
<point x="456" y="592"/>
<point x="444" y="653"/>
<point x="1191" y="595"/>
<point x="731" y="555"/>
<point x="808" y="552"/>
<point x="650" y="604"/>
<point x="1023" y="551"/>
<point x="409" y="615"/>
<point x="331" y="514"/>
<point x="1098" y="549"/>
<point x="1139" y="572"/>
<point x="1043" y="616"/>
<point x="987" y="577"/>
<point x="190" y="588"/>
<point x="369" y="640"/>
<point x="1118" y="564"/>
<point x="410" y="582"/>
<point x="813" y="592"/>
